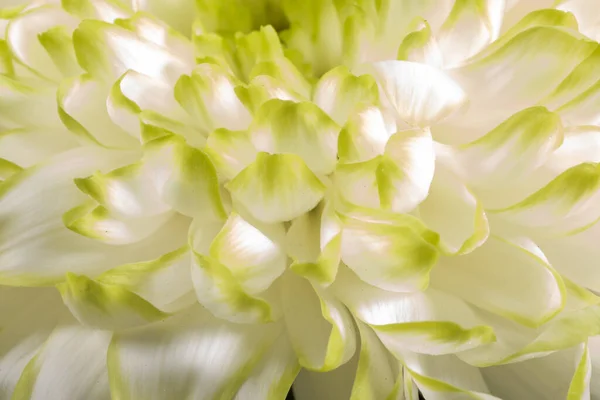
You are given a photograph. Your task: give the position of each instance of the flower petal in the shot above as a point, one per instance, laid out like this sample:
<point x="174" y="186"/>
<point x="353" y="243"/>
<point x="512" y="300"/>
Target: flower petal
<point x="104" y="306"/>
<point x="29" y="146"/>
<point x="107" y="51"/>
<point x="339" y="93"/>
<point x="544" y="377"/>
<point x="445" y="377"/>
<point x="277" y="187"/>
<point x="208" y="95"/>
<point x="36" y="248"/>
<point x="164" y="282"/>
<point x="82" y="109"/>
<point x="23" y="333"/>
<point x="28" y="36"/>
<point x="184" y="358"/>
<point x="469" y="28"/>
<point x="421" y="46"/>
<point x="394" y="256"/>
<point x="429" y="322"/>
<point x="319" y="326"/>
<point x="230" y="151"/>
<point x="313" y="241"/>
<point x="96" y="222"/>
<point x="378" y="374"/>
<point x="50" y="374"/>
<point x="297" y="128"/>
<point x="419" y="94"/>
<point x="275" y="373"/>
<point x="452" y="211"/>
<point x="505" y="278"/>
<point x="517" y="75"/>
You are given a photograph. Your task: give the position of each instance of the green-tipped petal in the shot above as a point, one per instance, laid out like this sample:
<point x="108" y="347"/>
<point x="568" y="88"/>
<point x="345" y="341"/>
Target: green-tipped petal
<point x="96" y="222"/>
<point x="421" y="46"/>
<point x="377" y="373"/>
<point x="50" y="374"/>
<point x="30" y="34"/>
<point x="277" y="187"/>
<point x="319" y="326"/>
<point x="209" y="97"/>
<point x="420" y="95"/>
<point x="505" y="278"/>
<point x="147" y="363"/>
<point x="230" y="151"/>
<point x="429" y="322"/>
<point x="339" y="93"/>
<point x="297" y="128"/>
<point x="107" y="51"/>
<point x="394" y="255"/>
<point x="29" y="146"/>
<point x="104" y="306"/>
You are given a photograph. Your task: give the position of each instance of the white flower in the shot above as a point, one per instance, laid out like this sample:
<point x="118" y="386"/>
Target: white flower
<point x="195" y="205"/>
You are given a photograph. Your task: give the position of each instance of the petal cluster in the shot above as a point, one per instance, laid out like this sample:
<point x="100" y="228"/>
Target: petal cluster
<point x="201" y="199"/>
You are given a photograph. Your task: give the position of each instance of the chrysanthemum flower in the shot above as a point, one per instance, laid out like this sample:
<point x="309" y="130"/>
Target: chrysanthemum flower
<point x="201" y="199"/>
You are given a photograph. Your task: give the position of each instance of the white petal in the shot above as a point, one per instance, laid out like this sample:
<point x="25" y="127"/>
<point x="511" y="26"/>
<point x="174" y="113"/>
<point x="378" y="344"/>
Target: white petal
<point x="394" y="256"/>
<point x="274" y="374"/>
<point x="319" y="326"/>
<point x="429" y="322"/>
<point x="26" y="147"/>
<point x="37" y="248"/>
<point x="192" y="355"/>
<point x="331" y="385"/>
<point x="420" y="95"/>
<point x="504" y="278"/>
<point x="297" y="128"/>
<point x="454" y="213"/>
<point x="72" y="364"/>
<point x="539" y="379"/>
<point x="277" y="187"/>
<point x="24" y="332"/>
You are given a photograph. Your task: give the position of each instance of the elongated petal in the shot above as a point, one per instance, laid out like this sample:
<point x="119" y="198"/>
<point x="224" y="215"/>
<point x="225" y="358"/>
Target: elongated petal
<point x="421" y="46"/>
<point x="80" y="375"/>
<point x="392" y="256"/>
<point x="445" y="377"/>
<point x="518" y="146"/>
<point x="274" y="374"/>
<point x="103" y="306"/>
<point x="377" y="373"/>
<point x="96" y="222"/>
<point x="504" y="267"/>
<point x="565" y="374"/>
<point x="452" y="211"/>
<point x="566" y="203"/>
<point x="319" y="326"/>
<point x="26" y="147"/>
<point x="178" y="357"/>
<point x="297" y="128"/>
<point x="313" y="241"/>
<point x="164" y="282"/>
<point x="135" y="92"/>
<point x="26" y="41"/>
<point x="82" y="109"/>
<point x="107" y="51"/>
<point x="515" y="76"/>
<point x="430" y="322"/>
<point x="420" y="95"/>
<point x="36" y="247"/>
<point x="589" y="23"/>
<point x="23" y="333"/>
<point x="470" y="27"/>
<point x="277" y="187"/>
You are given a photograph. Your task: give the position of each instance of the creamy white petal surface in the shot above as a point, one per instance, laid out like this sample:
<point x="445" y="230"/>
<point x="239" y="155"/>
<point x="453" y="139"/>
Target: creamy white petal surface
<point x="207" y="199"/>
